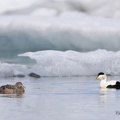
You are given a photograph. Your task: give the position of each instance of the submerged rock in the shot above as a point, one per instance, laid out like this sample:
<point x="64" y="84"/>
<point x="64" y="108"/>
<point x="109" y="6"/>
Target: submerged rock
<point x="19" y="75"/>
<point x="34" y="75"/>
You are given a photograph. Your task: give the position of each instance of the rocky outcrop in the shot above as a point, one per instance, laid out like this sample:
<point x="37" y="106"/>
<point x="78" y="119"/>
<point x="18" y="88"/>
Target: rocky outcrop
<point x="34" y="75"/>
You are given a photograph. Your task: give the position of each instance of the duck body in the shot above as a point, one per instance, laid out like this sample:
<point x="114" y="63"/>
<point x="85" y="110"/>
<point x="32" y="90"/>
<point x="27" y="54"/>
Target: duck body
<point x="18" y="88"/>
<point x="116" y="85"/>
<point x="107" y="84"/>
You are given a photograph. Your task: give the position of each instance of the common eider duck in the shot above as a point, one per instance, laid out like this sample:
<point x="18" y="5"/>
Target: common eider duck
<point x="107" y="84"/>
<point x="18" y="88"/>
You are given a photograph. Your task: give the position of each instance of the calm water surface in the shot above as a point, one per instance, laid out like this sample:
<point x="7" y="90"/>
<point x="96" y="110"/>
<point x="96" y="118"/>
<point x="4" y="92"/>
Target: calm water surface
<point x="60" y="98"/>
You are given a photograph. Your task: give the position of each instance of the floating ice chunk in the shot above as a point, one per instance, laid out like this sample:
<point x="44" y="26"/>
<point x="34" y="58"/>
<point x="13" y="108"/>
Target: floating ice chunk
<point x="9" y="6"/>
<point x="103" y="8"/>
<point x="71" y="63"/>
<point x="44" y="12"/>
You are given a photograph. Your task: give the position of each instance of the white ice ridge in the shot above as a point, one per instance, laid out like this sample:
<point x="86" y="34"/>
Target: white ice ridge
<point x="106" y="8"/>
<point x="72" y="63"/>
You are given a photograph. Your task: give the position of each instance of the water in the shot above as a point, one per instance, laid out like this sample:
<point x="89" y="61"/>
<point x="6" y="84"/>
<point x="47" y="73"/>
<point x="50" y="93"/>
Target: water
<point x="67" y="43"/>
<point x="52" y="98"/>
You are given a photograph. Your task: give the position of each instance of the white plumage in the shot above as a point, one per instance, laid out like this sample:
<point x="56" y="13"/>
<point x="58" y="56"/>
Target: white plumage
<point x="107" y="84"/>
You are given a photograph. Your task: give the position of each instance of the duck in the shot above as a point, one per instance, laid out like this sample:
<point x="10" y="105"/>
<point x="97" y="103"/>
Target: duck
<point x="17" y="88"/>
<point x="107" y="84"/>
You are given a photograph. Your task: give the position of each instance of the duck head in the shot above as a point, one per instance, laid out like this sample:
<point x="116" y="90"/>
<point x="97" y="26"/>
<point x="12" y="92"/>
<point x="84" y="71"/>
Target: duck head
<point x="19" y="84"/>
<point x="101" y="76"/>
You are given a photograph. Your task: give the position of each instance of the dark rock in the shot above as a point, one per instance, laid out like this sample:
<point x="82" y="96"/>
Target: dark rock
<point x="19" y="75"/>
<point x="34" y="75"/>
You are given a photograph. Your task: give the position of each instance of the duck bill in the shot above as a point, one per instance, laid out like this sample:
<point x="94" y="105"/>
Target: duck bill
<point x="96" y="77"/>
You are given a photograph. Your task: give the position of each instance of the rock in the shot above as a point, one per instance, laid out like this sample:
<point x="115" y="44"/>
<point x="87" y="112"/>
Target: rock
<point x="19" y="75"/>
<point x="34" y="75"/>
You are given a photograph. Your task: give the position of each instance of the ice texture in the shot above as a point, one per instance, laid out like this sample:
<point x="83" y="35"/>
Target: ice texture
<point x="72" y="63"/>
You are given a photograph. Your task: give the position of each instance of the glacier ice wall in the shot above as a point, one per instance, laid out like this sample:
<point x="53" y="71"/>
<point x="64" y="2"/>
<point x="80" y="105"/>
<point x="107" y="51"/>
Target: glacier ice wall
<point x="23" y="34"/>
<point x="59" y="25"/>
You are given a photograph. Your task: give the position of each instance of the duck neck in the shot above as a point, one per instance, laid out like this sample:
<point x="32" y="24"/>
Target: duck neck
<point x="103" y="82"/>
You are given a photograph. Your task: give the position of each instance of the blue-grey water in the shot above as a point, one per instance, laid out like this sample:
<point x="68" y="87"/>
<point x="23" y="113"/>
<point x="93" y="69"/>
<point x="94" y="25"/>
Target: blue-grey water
<point x="82" y="33"/>
<point x="60" y="98"/>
